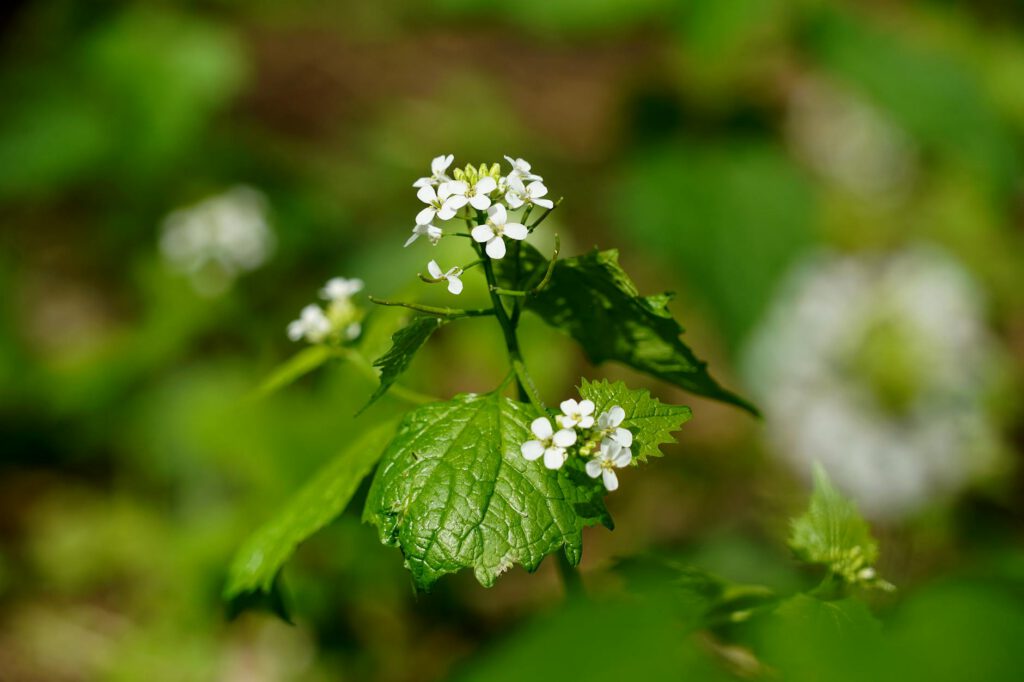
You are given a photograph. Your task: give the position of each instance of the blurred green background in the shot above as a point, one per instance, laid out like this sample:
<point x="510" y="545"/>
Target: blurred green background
<point x="727" y="148"/>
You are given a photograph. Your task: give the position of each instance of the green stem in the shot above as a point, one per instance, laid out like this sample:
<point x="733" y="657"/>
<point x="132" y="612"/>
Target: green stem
<point x="435" y="310"/>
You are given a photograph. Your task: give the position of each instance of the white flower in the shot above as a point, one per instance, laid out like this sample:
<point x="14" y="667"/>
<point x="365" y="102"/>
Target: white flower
<point x="433" y="234"/>
<point x="312" y="325"/>
<point x="478" y="193"/>
<point x="438" y="168"/>
<point x="519" y="194"/>
<point x="353" y="330"/>
<point x="453" y="275"/>
<point x="611" y="456"/>
<point x="880" y="366"/>
<point x="341" y="289"/>
<point x="576" y="414"/>
<point x="549" y="443"/>
<point x="609" y="423"/>
<point x="521" y="169"/>
<point x="442" y="203"/>
<point x="496" y="228"/>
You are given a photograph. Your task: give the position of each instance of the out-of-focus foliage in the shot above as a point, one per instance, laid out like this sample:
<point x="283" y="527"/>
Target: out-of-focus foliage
<point x="714" y="144"/>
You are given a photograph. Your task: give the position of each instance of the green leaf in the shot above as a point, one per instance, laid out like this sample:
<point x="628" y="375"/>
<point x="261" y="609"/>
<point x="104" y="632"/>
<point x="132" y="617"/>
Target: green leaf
<point x="292" y="369"/>
<point x="256" y="565"/>
<point x="404" y="344"/>
<point x="453" y="491"/>
<point x="651" y="421"/>
<point x="832" y="533"/>
<point x="593" y="300"/>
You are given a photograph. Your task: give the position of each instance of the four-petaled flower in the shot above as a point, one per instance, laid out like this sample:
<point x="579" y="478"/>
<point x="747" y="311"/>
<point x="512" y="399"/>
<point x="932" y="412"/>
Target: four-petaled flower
<point x="576" y="414"/>
<point x="612" y="456"/>
<point x="442" y="203"/>
<point x="438" y="168"/>
<point x="312" y="325"/>
<point x="609" y="423"/>
<point x="550" y="443"/>
<point x="453" y="275"/>
<point x="478" y="194"/>
<point x="496" y="227"/>
<point x="433" y="234"/>
<point x="519" y="194"/>
<point x="521" y="169"/>
<point x="341" y="289"/>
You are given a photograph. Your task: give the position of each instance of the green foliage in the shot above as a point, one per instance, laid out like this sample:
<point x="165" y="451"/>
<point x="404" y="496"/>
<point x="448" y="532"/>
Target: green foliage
<point x="593" y="300"/>
<point x="651" y="421"/>
<point x="453" y="491"/>
<point x="833" y="534"/>
<point x="255" y="568"/>
<point x="294" y="368"/>
<point x="404" y="344"/>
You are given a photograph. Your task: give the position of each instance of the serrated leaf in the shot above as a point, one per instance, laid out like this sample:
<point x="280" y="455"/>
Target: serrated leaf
<point x="256" y="565"/>
<point x="832" y="533"/>
<point x="453" y="491"/>
<point x="591" y="298"/>
<point x="294" y="368"/>
<point x="651" y="421"/>
<point x="404" y="344"/>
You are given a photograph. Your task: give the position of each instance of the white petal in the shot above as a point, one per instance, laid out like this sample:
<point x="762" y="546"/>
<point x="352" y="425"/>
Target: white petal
<point x="482" y="233"/>
<point x="434" y="234"/>
<point x="611" y="481"/>
<point x="353" y="330"/>
<point x="480" y="202"/>
<point x="496" y="248"/>
<point x="516" y="183"/>
<point x="532" y="449"/>
<point x="564" y="438"/>
<point x="427" y="195"/>
<point x="615" y="416"/>
<point x="536" y="189"/>
<point x="586" y="407"/>
<point x="541" y="428"/>
<point x="554" y="458"/>
<point x="456" y="188"/>
<point x="513" y="200"/>
<point x="426" y="215"/>
<point x="446" y="212"/>
<point x="515" y="231"/>
<point x="486" y="185"/>
<point x="569" y="407"/>
<point x="455" y="285"/>
<point x="609" y="449"/>
<point x="497" y="215"/>
<point x="295" y="330"/>
<point x="544" y="203"/>
<point x="456" y="202"/>
<point x="414" y="237"/>
<point x="423" y="182"/>
<point x="623" y="437"/>
<point x="565" y="422"/>
<point x="623" y="458"/>
<point x="434" y="269"/>
<point x="594" y="468"/>
<point x="586" y="422"/>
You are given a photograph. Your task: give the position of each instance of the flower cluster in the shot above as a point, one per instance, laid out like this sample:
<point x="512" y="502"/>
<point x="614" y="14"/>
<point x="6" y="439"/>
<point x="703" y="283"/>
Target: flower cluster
<point x="484" y="199"/>
<point x="340" y="320"/>
<point x="604" y="442"/>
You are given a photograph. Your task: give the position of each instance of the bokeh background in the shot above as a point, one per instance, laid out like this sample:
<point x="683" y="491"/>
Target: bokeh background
<point x="833" y="189"/>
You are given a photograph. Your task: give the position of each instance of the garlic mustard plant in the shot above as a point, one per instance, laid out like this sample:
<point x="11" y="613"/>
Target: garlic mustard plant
<point x="486" y="481"/>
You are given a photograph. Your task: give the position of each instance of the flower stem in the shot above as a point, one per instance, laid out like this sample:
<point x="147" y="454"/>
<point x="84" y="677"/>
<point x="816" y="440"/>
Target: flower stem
<point x="436" y="310"/>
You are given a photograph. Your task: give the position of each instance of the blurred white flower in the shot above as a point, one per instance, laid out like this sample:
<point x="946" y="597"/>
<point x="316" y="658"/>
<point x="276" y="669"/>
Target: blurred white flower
<point x="453" y="275"/>
<point x="879" y="367"/>
<point x="312" y="325"/>
<point x="574" y="413"/>
<point x="847" y="140"/>
<point x="339" y="288"/>
<point x="519" y="194"/>
<point x="549" y="443"/>
<point x="497" y="227"/>
<point x="610" y="457"/>
<point x="438" y="171"/>
<point x="219" y="238"/>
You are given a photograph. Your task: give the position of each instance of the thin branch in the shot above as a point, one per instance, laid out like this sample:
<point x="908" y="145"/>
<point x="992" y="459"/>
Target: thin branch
<point x="544" y="215"/>
<point x="551" y="268"/>
<point x="436" y="310"/>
